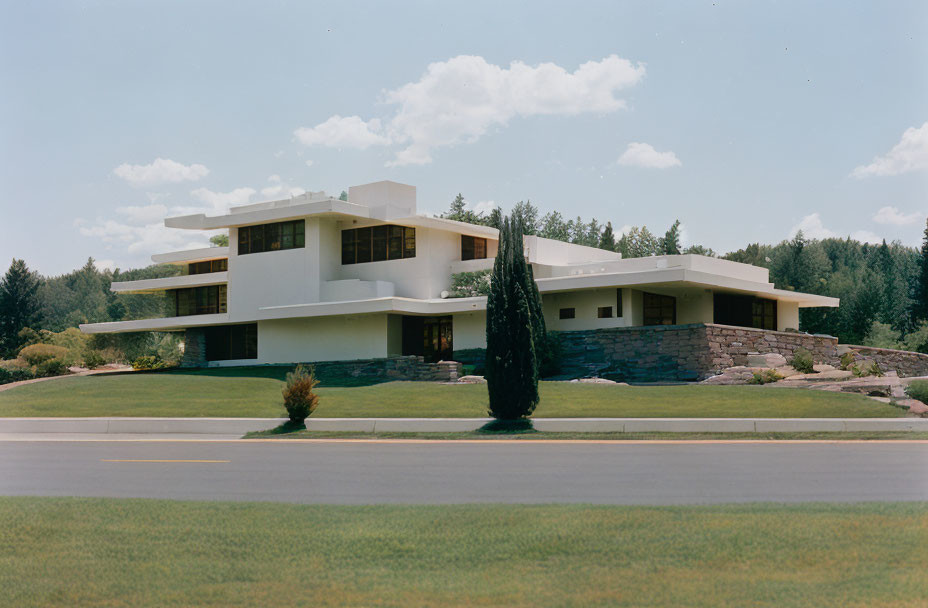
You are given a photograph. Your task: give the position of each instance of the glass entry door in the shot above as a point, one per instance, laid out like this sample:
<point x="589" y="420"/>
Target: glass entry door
<point x="429" y="337"/>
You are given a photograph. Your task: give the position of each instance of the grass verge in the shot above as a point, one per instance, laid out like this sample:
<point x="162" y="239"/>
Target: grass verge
<point x="146" y="553"/>
<point x="255" y="392"/>
<point x="606" y="436"/>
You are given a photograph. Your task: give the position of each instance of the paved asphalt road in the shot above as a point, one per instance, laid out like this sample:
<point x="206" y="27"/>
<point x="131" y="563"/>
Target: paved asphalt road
<point x="459" y="472"/>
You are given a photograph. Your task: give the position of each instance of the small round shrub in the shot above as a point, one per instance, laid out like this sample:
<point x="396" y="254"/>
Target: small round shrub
<point x="299" y="398"/>
<point x="147" y="362"/>
<point x="802" y="361"/>
<point x="35" y="354"/>
<point x="51" y="367"/>
<point x="848" y="359"/>
<point x="93" y="359"/>
<point x="766" y="377"/>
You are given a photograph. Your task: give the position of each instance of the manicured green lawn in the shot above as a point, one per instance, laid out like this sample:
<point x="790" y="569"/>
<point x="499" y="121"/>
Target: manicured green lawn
<point x="256" y="393"/>
<point x="141" y="553"/>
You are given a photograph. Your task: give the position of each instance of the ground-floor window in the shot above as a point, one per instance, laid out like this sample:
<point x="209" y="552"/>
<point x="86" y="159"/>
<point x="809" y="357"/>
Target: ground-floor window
<point x="744" y="311"/>
<point x="428" y="337"/>
<point x="659" y="310"/>
<point x="228" y="342"/>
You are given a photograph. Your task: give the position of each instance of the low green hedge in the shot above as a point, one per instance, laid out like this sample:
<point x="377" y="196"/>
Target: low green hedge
<point x="918" y="390"/>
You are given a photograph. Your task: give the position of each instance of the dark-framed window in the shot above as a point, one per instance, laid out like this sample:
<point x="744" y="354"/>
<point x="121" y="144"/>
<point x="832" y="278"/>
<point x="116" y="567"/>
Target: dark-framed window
<point x="618" y="302"/>
<point x="604" y="312"/>
<point x="378" y="243"/>
<point x="567" y="313"/>
<point x="207" y="300"/>
<point x="208" y="266"/>
<point x="229" y="342"/>
<point x="744" y="311"/>
<point x="473" y="247"/>
<point x="659" y="310"/>
<point x="272" y="237"/>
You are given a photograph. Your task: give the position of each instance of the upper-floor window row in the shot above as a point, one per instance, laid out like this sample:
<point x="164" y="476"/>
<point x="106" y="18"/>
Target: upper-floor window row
<point x="207" y="300"/>
<point x="208" y="266"/>
<point x="378" y="243"/>
<point x="473" y="247"/>
<point x="272" y="237"/>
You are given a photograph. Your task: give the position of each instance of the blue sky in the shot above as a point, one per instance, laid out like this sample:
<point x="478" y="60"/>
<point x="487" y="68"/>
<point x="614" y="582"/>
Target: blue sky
<point x="744" y="120"/>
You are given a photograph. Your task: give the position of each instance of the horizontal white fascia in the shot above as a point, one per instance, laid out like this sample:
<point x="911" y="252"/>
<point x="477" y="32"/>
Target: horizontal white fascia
<point x="269" y="214"/>
<point x="178" y="282"/>
<point x="374" y="305"/>
<point x="165" y="324"/>
<point x="191" y="255"/>
<point x="681" y="276"/>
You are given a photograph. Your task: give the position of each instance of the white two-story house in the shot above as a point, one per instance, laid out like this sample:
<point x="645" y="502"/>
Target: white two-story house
<point x="313" y="278"/>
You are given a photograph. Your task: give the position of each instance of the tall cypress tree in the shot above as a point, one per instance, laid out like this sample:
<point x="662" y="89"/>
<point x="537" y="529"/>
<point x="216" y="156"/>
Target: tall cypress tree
<point x="511" y="364"/>
<point x="19" y="304"/>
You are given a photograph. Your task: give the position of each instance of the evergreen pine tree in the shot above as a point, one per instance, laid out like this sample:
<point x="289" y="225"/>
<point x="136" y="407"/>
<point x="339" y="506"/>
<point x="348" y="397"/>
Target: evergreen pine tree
<point x="343" y="196"/>
<point x="19" y="305"/>
<point x="511" y="366"/>
<point x="921" y="290"/>
<point x="670" y="244"/>
<point x="607" y="239"/>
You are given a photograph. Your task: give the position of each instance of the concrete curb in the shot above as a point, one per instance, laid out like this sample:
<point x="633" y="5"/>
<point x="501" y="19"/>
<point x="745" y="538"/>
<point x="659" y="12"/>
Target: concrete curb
<point x="240" y="426"/>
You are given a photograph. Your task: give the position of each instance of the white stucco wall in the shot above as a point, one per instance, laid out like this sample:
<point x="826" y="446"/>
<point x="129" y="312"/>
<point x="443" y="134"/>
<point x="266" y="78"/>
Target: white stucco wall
<point x="470" y="330"/>
<point x="323" y="339"/>
<point x="787" y="315"/>
<point x="586" y="304"/>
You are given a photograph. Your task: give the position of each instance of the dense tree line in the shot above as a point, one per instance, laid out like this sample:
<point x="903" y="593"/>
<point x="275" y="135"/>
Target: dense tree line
<point x="883" y="288"/>
<point x="29" y="300"/>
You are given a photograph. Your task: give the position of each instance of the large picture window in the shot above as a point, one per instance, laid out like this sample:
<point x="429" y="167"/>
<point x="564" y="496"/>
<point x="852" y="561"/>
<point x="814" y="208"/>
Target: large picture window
<point x="744" y="311"/>
<point x="378" y="243"/>
<point x="207" y="300"/>
<point x="272" y="237"/>
<point x="659" y="310"/>
<point x="473" y="248"/>
<point x="230" y="342"/>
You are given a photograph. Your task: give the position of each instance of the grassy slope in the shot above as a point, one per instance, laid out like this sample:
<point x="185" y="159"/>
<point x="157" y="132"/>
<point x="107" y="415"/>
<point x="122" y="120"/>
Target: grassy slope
<point x="256" y="393"/>
<point x="99" y="552"/>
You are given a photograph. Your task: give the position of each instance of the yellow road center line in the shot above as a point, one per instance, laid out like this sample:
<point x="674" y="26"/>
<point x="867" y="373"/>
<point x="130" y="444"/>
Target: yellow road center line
<point x="154" y="460"/>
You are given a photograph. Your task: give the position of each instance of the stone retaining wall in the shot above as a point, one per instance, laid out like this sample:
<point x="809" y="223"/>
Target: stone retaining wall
<point x="388" y="369"/>
<point x="360" y="370"/>
<point x="679" y="352"/>
<point x="905" y="363"/>
<point x="730" y="345"/>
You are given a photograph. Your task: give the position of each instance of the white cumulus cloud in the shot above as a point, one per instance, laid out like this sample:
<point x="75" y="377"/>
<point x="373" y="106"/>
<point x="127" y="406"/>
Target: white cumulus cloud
<point x="639" y="154"/>
<point x="343" y="132"/>
<point x="812" y="227"/>
<point x="910" y="154"/>
<point x="894" y="217"/>
<point x="309" y="163"/>
<point x="160" y="171"/>
<point x="459" y="100"/>
<point x="219" y="202"/>
<point x="145" y="214"/>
